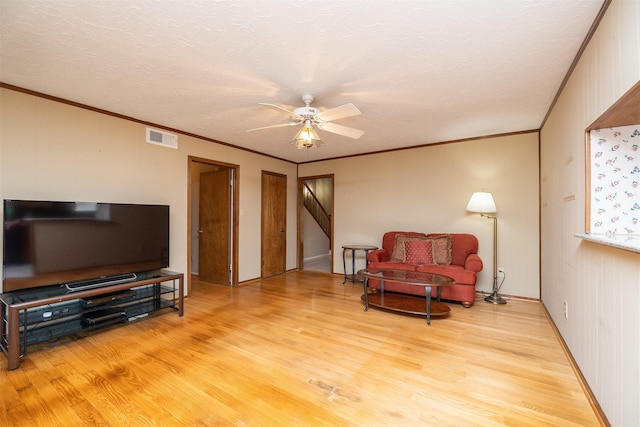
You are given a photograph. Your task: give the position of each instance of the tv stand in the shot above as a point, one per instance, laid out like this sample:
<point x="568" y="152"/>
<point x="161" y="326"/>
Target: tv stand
<point x="36" y="315"/>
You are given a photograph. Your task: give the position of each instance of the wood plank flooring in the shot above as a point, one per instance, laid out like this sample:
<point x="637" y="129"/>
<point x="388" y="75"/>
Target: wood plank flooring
<point x="298" y="350"/>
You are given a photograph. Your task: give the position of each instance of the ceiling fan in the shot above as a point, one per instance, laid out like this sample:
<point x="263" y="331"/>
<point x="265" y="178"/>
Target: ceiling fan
<point x="309" y="117"/>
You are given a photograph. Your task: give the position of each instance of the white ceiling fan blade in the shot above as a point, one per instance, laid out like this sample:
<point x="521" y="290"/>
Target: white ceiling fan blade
<point x="346" y="110"/>
<point x="278" y="108"/>
<point x="341" y="130"/>
<point x="275" y="126"/>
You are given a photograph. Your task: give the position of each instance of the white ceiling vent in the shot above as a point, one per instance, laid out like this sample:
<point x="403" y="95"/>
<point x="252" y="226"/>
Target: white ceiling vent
<point x="162" y="138"/>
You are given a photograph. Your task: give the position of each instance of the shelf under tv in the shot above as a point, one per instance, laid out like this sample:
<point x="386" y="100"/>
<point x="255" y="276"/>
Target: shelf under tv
<point x="37" y="315"/>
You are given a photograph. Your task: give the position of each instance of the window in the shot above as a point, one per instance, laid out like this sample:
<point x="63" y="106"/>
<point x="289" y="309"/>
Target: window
<point x="613" y="175"/>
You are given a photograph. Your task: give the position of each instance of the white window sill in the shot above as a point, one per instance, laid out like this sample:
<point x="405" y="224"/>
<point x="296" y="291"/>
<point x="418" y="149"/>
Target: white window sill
<point x="628" y="242"/>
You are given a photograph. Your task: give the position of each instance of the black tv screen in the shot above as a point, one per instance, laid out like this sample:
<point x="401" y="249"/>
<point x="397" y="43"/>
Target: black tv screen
<point x="50" y="243"/>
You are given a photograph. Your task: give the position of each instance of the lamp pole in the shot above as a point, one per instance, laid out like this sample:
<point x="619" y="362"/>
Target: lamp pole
<point x="482" y="202"/>
<point x="494" y="297"/>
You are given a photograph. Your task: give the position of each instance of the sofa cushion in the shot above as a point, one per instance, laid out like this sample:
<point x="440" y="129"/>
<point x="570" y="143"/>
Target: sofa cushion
<point x="418" y="251"/>
<point x="456" y="272"/>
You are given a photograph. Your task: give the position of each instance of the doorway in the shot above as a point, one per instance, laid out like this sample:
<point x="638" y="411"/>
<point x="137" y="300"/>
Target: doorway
<point x="315" y="223"/>
<point x="212" y="222"/>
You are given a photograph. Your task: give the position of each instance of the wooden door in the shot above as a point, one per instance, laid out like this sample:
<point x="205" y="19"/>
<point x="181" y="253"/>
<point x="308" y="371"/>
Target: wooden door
<point x="215" y="226"/>
<point x="274" y="224"/>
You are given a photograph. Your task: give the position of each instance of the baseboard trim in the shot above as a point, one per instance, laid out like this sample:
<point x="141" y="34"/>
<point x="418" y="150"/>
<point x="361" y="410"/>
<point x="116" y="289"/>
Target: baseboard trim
<point x="597" y="409"/>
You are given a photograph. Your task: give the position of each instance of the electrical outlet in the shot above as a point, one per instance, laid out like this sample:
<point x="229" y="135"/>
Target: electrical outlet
<point x="566" y="310"/>
<point x="500" y="270"/>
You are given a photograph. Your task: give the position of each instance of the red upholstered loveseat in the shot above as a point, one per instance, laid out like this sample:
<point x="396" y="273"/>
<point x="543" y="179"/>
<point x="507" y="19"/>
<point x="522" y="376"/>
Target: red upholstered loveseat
<point x="462" y="265"/>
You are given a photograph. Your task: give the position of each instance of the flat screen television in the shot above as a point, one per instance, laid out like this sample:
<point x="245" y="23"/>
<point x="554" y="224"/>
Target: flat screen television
<point x="50" y="243"/>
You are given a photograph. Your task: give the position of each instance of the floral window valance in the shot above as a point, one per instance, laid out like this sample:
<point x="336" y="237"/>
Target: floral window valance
<point x="615" y="180"/>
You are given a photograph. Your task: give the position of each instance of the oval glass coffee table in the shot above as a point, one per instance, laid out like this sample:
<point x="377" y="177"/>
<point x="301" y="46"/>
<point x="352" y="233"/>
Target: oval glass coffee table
<point x="406" y="303"/>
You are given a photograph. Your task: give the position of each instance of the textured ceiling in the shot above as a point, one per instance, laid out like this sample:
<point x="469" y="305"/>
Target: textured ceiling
<point x="420" y="71"/>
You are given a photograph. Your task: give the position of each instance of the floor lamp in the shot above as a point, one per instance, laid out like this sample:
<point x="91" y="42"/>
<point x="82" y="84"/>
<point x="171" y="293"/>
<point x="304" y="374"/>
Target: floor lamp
<point x="482" y="203"/>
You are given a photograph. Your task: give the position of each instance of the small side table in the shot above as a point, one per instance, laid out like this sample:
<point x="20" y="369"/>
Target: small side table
<point x="353" y="249"/>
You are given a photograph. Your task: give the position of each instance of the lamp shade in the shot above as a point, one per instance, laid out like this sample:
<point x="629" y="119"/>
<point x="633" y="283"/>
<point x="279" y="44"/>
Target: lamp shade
<point x="482" y="202"/>
<point x="306" y="137"/>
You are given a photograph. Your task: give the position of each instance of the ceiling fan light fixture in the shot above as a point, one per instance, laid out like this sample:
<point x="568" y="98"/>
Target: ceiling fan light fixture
<point x="306" y="137"/>
<point x="309" y="116"/>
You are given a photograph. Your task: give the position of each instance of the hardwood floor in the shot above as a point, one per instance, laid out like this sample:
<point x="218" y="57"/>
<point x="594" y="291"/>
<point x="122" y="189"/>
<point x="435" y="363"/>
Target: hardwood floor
<point x="298" y="350"/>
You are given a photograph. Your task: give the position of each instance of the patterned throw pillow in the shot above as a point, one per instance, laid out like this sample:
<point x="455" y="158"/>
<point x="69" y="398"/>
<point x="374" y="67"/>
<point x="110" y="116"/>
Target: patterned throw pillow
<point x="398" y="248"/>
<point x="418" y="251"/>
<point x="441" y="249"/>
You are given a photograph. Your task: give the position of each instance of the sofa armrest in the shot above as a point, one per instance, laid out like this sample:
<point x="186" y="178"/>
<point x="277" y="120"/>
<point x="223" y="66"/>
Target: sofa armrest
<point x="473" y="263"/>
<point x="379" y="255"/>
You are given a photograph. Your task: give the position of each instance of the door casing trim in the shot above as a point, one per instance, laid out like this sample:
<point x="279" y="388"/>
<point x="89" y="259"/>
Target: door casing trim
<point x="235" y="215"/>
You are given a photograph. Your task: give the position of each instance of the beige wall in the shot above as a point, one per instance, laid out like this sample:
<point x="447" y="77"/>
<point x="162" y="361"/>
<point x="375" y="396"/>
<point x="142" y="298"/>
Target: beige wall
<point x="53" y="151"/>
<point x="600" y="284"/>
<point x="427" y="189"/>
